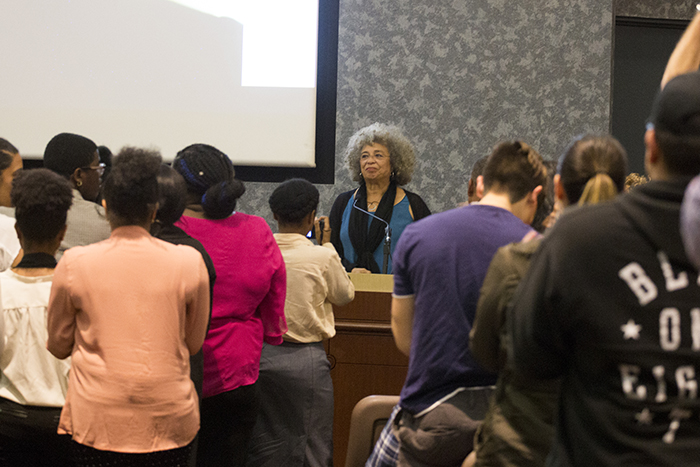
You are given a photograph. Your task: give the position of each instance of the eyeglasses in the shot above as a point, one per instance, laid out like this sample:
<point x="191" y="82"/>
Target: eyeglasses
<point x="99" y="167"/>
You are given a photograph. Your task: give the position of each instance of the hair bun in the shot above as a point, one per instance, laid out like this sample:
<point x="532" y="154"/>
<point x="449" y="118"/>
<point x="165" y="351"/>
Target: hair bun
<point x="220" y="199"/>
<point x="293" y="200"/>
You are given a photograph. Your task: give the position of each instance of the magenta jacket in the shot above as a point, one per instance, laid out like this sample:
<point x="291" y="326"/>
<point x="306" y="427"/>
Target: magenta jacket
<point x="248" y="302"/>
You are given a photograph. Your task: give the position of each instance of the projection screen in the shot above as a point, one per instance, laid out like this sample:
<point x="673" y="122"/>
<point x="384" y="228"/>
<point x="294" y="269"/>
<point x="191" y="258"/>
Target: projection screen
<point x="238" y="74"/>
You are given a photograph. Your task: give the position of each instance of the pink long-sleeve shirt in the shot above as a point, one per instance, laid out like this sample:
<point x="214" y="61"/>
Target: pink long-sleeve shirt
<point x="129" y="310"/>
<point x="249" y="293"/>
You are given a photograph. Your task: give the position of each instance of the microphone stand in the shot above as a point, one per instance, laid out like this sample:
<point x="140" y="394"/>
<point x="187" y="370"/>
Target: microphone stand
<point x="387" y="249"/>
<point x="387" y="236"/>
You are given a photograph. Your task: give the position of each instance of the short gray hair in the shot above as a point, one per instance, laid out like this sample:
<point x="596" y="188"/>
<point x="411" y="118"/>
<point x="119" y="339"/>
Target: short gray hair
<point x="401" y="154"/>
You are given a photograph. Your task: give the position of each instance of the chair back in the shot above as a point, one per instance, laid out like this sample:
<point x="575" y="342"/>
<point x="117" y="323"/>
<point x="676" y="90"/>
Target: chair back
<point x="366" y="423"/>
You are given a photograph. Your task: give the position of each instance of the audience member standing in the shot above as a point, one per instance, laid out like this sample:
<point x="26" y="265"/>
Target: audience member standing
<point x="34" y="383"/>
<point x="171" y="204"/>
<point x="10" y="165"/>
<point x="248" y="306"/>
<point x="477" y="171"/>
<point x="130" y="311"/>
<point x="75" y="158"/>
<point x="105" y="155"/>
<point x="295" y="423"/>
<point x="610" y="305"/>
<point x="439" y="265"/>
<point x="519" y="426"/>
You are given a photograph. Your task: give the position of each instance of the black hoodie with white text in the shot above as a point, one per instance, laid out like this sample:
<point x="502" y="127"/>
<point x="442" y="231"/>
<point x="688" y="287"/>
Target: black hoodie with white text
<point x="612" y="304"/>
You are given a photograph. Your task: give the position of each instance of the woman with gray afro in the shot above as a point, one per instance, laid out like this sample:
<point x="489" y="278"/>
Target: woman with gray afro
<point x="381" y="159"/>
<point x="248" y="301"/>
<point x="295" y="424"/>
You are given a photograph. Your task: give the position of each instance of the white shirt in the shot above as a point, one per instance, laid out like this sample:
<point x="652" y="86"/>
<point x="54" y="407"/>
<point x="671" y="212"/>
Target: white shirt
<point x="9" y="243"/>
<point x="316" y="279"/>
<point x="30" y="374"/>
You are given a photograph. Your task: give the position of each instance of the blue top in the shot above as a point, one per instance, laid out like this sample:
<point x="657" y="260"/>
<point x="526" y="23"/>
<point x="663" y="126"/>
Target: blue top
<point x="442" y="261"/>
<point x="400" y="218"/>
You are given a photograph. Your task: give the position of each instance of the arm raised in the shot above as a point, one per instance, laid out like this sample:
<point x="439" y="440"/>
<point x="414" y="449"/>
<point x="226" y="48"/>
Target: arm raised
<point x="686" y="56"/>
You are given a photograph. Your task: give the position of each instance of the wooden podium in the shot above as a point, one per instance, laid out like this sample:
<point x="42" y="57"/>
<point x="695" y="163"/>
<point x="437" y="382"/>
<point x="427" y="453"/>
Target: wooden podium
<point x="364" y="359"/>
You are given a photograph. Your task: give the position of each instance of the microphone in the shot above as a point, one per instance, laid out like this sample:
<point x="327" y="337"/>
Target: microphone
<point x="387" y="235"/>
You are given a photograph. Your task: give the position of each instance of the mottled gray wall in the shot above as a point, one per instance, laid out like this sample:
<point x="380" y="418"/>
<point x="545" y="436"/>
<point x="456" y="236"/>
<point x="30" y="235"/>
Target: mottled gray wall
<point x="675" y="9"/>
<point x="459" y="76"/>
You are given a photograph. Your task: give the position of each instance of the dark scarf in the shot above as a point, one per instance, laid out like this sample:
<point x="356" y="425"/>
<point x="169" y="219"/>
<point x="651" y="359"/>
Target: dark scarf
<point x="364" y="242"/>
<point x="37" y="260"/>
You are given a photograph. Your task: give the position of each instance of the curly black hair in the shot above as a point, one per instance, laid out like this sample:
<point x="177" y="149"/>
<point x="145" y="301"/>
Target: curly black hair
<point x="41" y="199"/>
<point x="209" y="175"/>
<point x="131" y="189"/>
<point x="293" y="200"/>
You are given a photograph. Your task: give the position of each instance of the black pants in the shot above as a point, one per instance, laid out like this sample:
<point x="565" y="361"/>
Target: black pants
<point x="85" y="456"/>
<point x="28" y="436"/>
<point x="227" y="422"/>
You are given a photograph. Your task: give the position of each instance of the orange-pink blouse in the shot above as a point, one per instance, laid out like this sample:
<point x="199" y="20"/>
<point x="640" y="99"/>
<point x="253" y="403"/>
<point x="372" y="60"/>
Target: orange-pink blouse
<point x="129" y="311"/>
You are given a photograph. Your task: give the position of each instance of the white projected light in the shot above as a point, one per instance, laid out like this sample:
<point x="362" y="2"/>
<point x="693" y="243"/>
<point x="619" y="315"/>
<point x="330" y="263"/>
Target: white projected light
<point x="279" y="39"/>
<point x="239" y="75"/>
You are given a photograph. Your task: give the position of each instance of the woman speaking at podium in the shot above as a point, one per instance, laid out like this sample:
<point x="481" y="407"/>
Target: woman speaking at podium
<point x="381" y="159"/>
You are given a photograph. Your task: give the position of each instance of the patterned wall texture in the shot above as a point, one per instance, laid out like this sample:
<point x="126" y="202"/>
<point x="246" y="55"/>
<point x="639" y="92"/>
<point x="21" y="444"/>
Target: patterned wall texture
<point x="676" y="9"/>
<point x="460" y="75"/>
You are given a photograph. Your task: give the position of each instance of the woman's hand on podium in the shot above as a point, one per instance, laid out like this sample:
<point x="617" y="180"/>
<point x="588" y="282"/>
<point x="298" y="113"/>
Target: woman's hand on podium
<point x="361" y="271"/>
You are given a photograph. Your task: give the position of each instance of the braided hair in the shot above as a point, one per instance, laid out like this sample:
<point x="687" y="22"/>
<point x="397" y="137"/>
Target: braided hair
<point x="209" y="175"/>
<point x="293" y="200"/>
